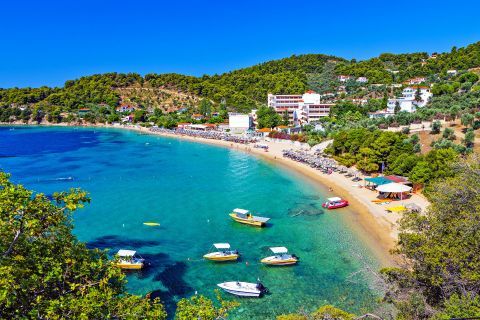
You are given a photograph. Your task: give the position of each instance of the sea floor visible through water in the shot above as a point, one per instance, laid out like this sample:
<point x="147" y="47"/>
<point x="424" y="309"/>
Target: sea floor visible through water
<point x="189" y="188"/>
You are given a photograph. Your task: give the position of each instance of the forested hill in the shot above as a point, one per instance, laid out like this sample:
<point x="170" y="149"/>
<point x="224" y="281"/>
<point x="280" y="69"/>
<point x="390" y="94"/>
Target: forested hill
<point x="384" y="68"/>
<point x="245" y="88"/>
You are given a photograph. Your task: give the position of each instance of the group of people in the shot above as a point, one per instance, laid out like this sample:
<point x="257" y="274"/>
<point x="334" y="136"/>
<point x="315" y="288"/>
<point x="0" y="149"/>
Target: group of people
<point x="215" y="135"/>
<point x="319" y="162"/>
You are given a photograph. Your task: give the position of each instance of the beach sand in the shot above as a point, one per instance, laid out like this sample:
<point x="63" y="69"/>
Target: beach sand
<point x="377" y="227"/>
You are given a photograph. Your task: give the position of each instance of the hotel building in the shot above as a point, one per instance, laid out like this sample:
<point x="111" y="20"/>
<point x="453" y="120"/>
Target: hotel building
<point x="301" y="109"/>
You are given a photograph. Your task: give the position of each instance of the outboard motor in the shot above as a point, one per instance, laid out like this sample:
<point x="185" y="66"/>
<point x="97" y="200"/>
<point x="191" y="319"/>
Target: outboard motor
<point x="261" y="288"/>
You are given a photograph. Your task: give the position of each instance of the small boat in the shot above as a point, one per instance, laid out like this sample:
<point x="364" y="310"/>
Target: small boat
<point x="243" y="289"/>
<point x="152" y="224"/>
<point x="245" y="217"/>
<point x="335" y="203"/>
<point x="223" y="254"/>
<point x="128" y="260"/>
<point x="281" y="257"/>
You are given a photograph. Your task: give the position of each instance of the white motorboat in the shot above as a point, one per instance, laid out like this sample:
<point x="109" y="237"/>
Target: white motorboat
<point x="243" y="289"/>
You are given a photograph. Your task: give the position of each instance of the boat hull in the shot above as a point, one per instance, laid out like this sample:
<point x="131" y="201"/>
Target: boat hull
<point x="215" y="256"/>
<point x="242" y="289"/>
<point x="130" y="266"/>
<point x="336" y="205"/>
<point x="249" y="222"/>
<point x="274" y="261"/>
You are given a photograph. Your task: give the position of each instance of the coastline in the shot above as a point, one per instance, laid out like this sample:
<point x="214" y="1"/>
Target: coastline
<point x="370" y="221"/>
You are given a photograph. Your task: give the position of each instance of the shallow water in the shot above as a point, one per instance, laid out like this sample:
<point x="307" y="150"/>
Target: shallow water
<point x="189" y="188"/>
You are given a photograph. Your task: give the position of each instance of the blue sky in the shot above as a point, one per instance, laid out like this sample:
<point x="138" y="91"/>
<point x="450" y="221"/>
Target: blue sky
<point x="48" y="42"/>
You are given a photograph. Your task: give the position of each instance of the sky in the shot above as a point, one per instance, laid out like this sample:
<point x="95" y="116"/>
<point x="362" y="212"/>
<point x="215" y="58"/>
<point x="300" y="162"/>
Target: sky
<point x="48" y="42"/>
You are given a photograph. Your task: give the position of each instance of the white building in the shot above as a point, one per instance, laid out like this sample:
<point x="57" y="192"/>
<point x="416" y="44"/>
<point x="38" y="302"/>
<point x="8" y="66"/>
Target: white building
<point x="406" y="102"/>
<point x="417" y="80"/>
<point x="362" y="79"/>
<point x="452" y="72"/>
<point x="300" y="109"/>
<point x="343" y="78"/>
<point x="239" y="123"/>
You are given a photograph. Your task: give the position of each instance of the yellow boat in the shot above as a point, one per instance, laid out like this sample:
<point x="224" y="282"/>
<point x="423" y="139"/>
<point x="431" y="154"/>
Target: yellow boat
<point x="281" y="257"/>
<point x="245" y="217"/>
<point x="223" y="254"/>
<point x="128" y="261"/>
<point x="152" y="224"/>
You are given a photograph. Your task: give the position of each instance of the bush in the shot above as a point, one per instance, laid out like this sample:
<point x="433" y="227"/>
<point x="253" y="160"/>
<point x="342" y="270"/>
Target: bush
<point x="436" y="126"/>
<point x="406" y="130"/>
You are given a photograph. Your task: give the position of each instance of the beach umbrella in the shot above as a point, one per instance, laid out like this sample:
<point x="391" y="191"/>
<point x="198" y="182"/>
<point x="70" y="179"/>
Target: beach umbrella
<point x="393" y="187"/>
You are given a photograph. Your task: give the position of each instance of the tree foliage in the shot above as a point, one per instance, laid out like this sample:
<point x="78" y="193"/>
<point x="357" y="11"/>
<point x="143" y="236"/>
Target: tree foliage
<point x="441" y="278"/>
<point x="47" y="273"/>
<point x="199" y="307"/>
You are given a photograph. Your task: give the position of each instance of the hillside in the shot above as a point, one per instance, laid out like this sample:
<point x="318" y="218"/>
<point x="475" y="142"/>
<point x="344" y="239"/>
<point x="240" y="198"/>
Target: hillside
<point x="167" y="100"/>
<point x="247" y="88"/>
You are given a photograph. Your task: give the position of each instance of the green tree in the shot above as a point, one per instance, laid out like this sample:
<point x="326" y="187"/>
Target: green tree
<point x="47" y="273"/>
<point x="286" y="120"/>
<point x="327" y="312"/>
<point x="267" y="117"/>
<point x="421" y="173"/>
<point x="469" y="138"/>
<point x="467" y="119"/>
<point x="205" y="107"/>
<point x="436" y="126"/>
<point x="397" y="107"/>
<point x="453" y="112"/>
<point x="443" y="271"/>
<point x="139" y="115"/>
<point x="418" y="94"/>
<point x="448" y="134"/>
<point x="330" y="312"/>
<point x="200" y="307"/>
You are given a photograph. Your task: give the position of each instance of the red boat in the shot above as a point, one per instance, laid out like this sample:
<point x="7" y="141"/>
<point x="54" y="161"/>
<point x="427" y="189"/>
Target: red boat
<point x="335" y="203"/>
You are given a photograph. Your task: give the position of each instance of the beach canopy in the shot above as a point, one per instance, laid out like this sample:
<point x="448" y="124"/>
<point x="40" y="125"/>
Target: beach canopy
<point x="393" y="187"/>
<point x="221" y="245"/>
<point x="126" y="253"/>
<point x="277" y="250"/>
<point x="378" y="180"/>
<point x="334" y="199"/>
<point x="241" y="211"/>
<point x="398" y="179"/>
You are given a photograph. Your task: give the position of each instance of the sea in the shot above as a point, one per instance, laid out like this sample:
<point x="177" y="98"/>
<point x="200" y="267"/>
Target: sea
<point x="189" y="188"/>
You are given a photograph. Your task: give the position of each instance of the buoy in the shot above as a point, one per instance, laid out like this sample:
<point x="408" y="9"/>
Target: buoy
<point x="246" y="263"/>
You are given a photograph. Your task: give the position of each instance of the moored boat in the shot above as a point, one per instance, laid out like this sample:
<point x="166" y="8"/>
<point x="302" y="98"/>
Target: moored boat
<point x="223" y="254"/>
<point x="128" y="260"/>
<point x="245" y="217"/>
<point x="281" y="257"/>
<point x="335" y="203"/>
<point x="243" y="289"/>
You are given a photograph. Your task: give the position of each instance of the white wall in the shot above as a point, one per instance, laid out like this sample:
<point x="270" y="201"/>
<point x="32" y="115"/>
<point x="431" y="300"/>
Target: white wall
<point x="240" y="122"/>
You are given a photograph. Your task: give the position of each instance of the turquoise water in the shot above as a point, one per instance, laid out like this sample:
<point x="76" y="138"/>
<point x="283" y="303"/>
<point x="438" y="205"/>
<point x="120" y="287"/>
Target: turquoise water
<point x="189" y="188"/>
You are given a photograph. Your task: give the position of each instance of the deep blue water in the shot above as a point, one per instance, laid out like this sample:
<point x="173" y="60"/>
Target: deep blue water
<point x="189" y="188"/>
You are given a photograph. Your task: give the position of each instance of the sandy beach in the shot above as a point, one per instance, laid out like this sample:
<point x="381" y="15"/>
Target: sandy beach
<point x="376" y="226"/>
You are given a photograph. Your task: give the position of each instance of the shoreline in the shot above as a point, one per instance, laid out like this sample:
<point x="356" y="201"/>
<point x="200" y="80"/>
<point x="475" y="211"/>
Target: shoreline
<point x="369" y="221"/>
